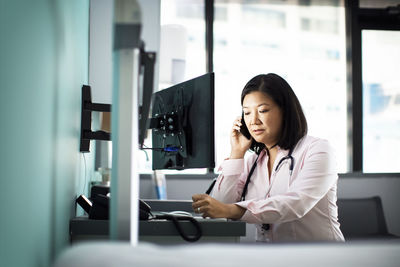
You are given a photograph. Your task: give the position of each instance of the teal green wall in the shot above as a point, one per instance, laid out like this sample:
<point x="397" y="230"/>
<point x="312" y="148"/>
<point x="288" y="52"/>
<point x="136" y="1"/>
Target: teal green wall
<point x="44" y="62"/>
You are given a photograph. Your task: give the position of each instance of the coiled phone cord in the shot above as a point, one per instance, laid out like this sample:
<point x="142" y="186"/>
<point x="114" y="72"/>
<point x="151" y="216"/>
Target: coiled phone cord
<point x="176" y="221"/>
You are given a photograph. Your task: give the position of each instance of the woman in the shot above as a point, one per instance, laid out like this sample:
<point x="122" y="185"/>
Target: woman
<point x="290" y="193"/>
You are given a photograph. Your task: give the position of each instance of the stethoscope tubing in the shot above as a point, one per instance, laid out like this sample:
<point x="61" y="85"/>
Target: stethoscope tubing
<point x="267" y="226"/>
<point x="291" y="166"/>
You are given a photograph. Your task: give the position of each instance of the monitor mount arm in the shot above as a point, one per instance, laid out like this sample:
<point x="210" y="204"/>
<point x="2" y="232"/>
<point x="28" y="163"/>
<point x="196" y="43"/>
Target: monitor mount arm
<point x="86" y="120"/>
<point x="147" y="61"/>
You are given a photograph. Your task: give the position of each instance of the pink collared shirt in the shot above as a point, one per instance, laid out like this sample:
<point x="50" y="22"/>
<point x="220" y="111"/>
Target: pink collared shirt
<point x="300" y="206"/>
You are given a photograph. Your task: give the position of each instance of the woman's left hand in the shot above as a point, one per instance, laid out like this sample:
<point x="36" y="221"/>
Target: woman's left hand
<point x="210" y="207"/>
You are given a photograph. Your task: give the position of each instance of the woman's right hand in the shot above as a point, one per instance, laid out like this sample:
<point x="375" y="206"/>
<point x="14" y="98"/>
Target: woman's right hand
<point x="239" y="143"/>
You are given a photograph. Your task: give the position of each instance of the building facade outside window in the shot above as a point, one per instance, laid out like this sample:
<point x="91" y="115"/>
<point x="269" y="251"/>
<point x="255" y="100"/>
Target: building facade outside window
<point x="302" y="43"/>
<point x="381" y="100"/>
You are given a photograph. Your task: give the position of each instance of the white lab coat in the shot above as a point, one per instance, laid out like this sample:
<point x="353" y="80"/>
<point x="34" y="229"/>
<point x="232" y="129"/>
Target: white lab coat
<point x="298" y="207"/>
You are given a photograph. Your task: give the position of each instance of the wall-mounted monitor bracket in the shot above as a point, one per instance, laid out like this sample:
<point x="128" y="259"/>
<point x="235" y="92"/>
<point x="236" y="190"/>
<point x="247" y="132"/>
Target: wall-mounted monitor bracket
<point x="86" y="120"/>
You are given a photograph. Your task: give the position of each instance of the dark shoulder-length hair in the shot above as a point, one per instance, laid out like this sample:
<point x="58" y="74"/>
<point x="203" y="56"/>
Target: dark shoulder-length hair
<point x="294" y="123"/>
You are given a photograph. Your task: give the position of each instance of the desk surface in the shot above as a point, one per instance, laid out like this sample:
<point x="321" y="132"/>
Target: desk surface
<point x="162" y="230"/>
<point x="210" y="227"/>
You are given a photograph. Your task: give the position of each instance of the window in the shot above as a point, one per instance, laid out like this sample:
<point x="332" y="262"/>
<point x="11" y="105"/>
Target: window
<point x="182" y="50"/>
<point x="182" y="45"/>
<point x="304" y="41"/>
<point x="381" y="100"/>
<point x="303" y="44"/>
<point x="373" y="32"/>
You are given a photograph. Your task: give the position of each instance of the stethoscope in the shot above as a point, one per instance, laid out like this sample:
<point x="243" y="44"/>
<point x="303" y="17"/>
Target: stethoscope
<point x="243" y="196"/>
<point x="288" y="157"/>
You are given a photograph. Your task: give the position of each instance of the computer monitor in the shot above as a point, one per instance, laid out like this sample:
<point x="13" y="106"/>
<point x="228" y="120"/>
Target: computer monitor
<point x="182" y="125"/>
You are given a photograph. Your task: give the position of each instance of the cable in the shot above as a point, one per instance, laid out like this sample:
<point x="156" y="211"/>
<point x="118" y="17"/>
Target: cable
<point x="176" y="221"/>
<point x="165" y="149"/>
<point x="145" y="152"/>
<point x="152" y="148"/>
<point x="147" y="156"/>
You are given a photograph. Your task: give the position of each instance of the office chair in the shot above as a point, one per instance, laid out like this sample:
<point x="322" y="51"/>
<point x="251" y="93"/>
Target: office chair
<point x="362" y="218"/>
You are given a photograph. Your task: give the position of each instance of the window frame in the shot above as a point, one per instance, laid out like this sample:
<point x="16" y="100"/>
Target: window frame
<point x="356" y="20"/>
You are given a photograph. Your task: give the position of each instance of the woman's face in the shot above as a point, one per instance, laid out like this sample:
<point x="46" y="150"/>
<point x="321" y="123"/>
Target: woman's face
<point x="263" y="118"/>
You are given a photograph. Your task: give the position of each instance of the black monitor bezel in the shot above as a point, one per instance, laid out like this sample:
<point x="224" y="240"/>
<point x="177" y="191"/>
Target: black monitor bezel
<point x="199" y="134"/>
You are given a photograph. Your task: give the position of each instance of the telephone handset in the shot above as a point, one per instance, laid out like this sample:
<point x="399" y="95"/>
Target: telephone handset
<point x="144" y="210"/>
<point x="99" y="210"/>
<point x="99" y="205"/>
<point x="244" y="130"/>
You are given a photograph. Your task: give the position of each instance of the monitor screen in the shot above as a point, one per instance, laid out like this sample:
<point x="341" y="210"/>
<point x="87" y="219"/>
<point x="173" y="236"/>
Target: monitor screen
<point x="183" y="125"/>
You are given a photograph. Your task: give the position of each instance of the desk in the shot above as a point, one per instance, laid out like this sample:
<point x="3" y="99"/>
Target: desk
<point x="162" y="231"/>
